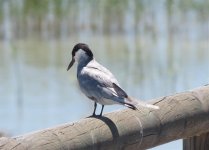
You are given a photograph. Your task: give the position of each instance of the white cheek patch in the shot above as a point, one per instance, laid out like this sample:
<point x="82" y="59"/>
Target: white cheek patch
<point x="80" y="53"/>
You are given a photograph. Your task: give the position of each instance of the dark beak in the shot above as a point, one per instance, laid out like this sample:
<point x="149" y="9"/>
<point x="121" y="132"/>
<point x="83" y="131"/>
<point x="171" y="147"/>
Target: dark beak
<point x="71" y="64"/>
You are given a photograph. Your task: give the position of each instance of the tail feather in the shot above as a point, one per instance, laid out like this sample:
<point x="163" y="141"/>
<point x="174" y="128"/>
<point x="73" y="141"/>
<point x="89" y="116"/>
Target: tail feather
<point x="132" y="103"/>
<point x="130" y="106"/>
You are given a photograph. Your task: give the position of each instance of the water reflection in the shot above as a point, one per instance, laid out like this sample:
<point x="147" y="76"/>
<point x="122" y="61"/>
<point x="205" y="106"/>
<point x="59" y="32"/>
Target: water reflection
<point x="154" y="49"/>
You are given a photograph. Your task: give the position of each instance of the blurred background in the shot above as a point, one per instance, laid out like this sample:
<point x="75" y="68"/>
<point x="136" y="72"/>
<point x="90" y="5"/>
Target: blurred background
<point x="154" y="48"/>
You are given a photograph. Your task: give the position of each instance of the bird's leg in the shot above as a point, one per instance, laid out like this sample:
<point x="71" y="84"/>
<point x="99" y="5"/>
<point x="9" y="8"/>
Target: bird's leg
<point x="95" y="107"/>
<point x="102" y="110"/>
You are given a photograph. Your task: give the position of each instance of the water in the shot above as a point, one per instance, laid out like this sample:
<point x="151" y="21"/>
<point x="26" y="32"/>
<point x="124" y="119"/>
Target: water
<point x="154" y="49"/>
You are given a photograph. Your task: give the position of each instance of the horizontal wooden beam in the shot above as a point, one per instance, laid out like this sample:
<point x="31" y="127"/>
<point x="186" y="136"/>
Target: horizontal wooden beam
<point x="180" y="116"/>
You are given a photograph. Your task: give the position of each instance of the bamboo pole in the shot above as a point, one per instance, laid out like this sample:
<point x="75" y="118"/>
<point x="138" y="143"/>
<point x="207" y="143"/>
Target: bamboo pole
<point x="180" y="116"/>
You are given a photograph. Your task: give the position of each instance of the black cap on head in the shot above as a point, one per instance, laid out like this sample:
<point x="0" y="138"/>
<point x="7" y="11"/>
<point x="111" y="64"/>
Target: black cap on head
<point x="84" y="47"/>
<point x="78" y="46"/>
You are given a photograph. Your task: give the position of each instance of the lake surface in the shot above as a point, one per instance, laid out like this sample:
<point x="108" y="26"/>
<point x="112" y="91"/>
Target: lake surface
<point x="155" y="51"/>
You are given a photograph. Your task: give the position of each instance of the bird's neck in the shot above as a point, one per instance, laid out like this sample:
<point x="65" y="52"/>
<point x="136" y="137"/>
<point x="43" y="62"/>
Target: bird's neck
<point x="83" y="62"/>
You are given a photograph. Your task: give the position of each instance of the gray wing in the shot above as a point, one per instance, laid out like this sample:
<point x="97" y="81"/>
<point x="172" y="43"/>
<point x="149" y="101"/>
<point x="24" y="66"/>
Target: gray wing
<point x="95" y="65"/>
<point x="98" y="82"/>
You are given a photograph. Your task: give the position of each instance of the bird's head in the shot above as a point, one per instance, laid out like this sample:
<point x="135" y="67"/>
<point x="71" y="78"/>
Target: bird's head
<point x="79" y="52"/>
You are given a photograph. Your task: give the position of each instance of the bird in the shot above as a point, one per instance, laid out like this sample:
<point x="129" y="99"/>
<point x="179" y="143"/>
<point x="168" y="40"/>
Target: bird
<point x="98" y="83"/>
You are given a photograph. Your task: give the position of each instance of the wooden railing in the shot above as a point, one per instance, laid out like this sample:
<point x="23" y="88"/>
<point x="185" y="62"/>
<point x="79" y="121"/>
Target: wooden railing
<point x="181" y="116"/>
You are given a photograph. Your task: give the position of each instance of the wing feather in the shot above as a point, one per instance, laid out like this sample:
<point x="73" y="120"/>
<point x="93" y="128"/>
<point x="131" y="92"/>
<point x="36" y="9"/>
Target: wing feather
<point x="103" y="80"/>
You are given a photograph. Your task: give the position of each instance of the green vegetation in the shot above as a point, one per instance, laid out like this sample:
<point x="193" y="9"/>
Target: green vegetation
<point x="95" y="15"/>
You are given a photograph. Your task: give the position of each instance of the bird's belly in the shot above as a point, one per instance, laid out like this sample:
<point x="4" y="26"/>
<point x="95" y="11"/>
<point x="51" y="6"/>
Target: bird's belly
<point x="107" y="102"/>
<point x="97" y="97"/>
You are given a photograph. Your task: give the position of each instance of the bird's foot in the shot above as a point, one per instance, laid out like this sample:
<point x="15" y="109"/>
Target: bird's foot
<point x="100" y="115"/>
